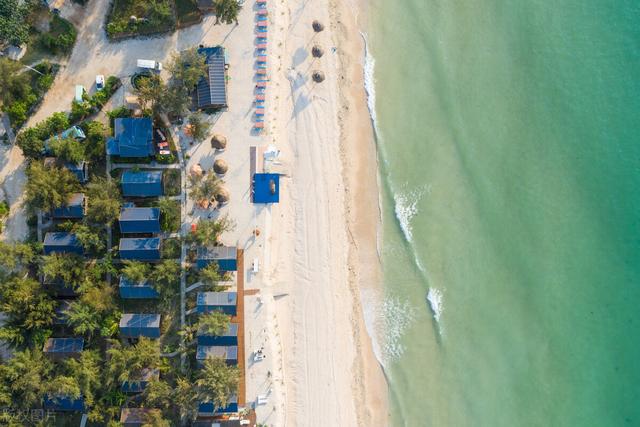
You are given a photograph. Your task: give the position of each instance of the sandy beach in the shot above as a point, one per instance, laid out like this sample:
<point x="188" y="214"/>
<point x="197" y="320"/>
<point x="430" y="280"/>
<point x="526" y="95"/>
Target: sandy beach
<point x="317" y="247"/>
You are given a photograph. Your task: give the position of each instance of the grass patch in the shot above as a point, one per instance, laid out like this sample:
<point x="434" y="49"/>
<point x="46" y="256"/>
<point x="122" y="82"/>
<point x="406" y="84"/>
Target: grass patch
<point x="187" y="12"/>
<point x="55" y="43"/>
<point x="172" y="182"/>
<point x="150" y="18"/>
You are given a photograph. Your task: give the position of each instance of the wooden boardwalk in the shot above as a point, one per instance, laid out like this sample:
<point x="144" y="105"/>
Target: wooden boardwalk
<point x="242" y="386"/>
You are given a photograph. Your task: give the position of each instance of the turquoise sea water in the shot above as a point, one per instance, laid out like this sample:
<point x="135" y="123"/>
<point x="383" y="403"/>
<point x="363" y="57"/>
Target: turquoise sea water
<point x="509" y="136"/>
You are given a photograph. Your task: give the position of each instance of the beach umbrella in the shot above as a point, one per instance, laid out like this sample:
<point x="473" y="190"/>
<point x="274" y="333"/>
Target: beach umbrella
<point x="218" y="142"/>
<point x="317" y="52"/>
<point x="220" y="167"/>
<point x="317" y="26"/>
<point x="222" y="196"/>
<point x="196" y="170"/>
<point x="317" y="76"/>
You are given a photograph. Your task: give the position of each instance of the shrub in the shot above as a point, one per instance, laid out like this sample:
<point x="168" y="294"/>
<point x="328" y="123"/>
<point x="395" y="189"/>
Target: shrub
<point x="17" y="112"/>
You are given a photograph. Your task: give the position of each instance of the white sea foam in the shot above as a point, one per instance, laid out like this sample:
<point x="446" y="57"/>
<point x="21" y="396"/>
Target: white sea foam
<point x="406" y="207"/>
<point x="434" y="297"/>
<point x="370" y="83"/>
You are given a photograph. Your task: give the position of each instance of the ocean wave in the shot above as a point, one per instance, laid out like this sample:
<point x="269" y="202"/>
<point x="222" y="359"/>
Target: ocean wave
<point x="434" y="297"/>
<point x="406" y="207"/>
<point x="370" y="84"/>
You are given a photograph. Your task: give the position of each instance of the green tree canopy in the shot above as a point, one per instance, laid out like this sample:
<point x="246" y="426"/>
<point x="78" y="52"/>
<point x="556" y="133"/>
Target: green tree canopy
<point x="166" y="279"/>
<point x="126" y="363"/>
<point x="48" y="188"/>
<point x="199" y="127"/>
<point x="151" y="91"/>
<point x="187" y="67"/>
<point x="214" y="323"/>
<point x="68" y="268"/>
<point x="136" y="271"/>
<point x="217" y="382"/>
<point x="68" y="150"/>
<point x="23" y="378"/>
<point x="14" y="26"/>
<point x="169" y="214"/>
<point x="94" y="311"/>
<point x="14" y="83"/>
<point x="87" y="374"/>
<point x="226" y="11"/>
<point x="15" y="256"/>
<point x="209" y="231"/>
<point x="104" y="201"/>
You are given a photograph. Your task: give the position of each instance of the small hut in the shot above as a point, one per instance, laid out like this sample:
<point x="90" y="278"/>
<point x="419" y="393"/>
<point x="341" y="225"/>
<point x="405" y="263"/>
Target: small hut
<point x="220" y="167"/>
<point x="222" y="196"/>
<point x="318" y="76"/>
<point x="317" y="26"/>
<point x="317" y="51"/>
<point x="218" y="142"/>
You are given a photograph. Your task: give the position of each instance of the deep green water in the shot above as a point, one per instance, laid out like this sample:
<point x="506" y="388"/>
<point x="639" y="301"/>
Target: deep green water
<point x="510" y="151"/>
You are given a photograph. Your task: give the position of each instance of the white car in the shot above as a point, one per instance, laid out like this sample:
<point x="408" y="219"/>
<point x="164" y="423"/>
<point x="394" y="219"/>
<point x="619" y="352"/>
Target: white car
<point x="99" y="81"/>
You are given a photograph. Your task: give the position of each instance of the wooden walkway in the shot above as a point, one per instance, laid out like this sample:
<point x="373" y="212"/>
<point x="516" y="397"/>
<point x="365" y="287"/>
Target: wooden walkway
<point x="242" y="386"/>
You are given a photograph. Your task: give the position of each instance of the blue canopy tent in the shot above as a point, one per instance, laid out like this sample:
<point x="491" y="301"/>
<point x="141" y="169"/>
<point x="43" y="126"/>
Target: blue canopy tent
<point x="266" y="188"/>
<point x="207" y="409"/>
<point x="228" y="353"/>
<point x="224" y="256"/>
<point x="63" y="403"/>
<point x="61" y="348"/>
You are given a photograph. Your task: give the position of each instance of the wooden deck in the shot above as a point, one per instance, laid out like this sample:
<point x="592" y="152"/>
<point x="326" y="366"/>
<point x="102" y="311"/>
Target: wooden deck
<point x="242" y="386"/>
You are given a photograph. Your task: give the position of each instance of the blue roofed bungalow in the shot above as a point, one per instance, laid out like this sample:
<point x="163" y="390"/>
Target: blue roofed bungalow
<point x="229" y="337"/>
<point x="138" y="385"/>
<point x="79" y="170"/>
<point x="139" y="220"/>
<point x="140" y="325"/>
<point x="137" y="290"/>
<point x="141" y="249"/>
<point x="73" y="209"/>
<point x="62" y="242"/>
<point x="266" y="188"/>
<point x="63" y="403"/>
<point x="224" y="256"/>
<point x="135" y="417"/>
<point x="61" y="348"/>
<point x="226" y="302"/>
<point x="58" y="287"/>
<point x="141" y="183"/>
<point x="133" y="137"/>
<point x="208" y="409"/>
<point x="228" y="353"/>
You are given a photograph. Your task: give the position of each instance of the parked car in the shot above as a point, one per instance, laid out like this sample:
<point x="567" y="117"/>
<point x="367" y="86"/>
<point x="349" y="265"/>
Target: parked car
<point x="99" y="81"/>
<point x="149" y="64"/>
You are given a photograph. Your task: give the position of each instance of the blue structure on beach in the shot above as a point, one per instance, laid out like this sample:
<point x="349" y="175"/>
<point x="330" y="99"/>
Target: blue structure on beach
<point x="266" y="188"/>
<point x="62" y="242"/>
<point x="140" y="290"/>
<point x="224" y="256"/>
<point x="141" y="184"/>
<point x="133" y="137"/>
<point x="139" y="220"/>
<point x="61" y="348"/>
<point x="228" y="353"/>
<point x="141" y="249"/>
<point x="140" y="325"/>
<point x="226" y="302"/>
<point x="63" y="403"/>
<point x="229" y="337"/>
<point x="207" y="409"/>
<point x="73" y="209"/>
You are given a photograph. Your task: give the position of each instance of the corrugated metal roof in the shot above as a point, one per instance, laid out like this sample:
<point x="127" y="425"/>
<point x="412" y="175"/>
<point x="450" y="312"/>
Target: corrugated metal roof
<point x="217" y="298"/>
<point x="229" y="352"/>
<point x="130" y="320"/>
<point x="64" y="345"/>
<point x="133" y="137"/>
<point x="212" y="89"/>
<point x="139" y="214"/>
<point x="124" y="282"/>
<point x="61" y="238"/>
<point x="217" y="252"/>
<point x="141" y="177"/>
<point x="139" y="244"/>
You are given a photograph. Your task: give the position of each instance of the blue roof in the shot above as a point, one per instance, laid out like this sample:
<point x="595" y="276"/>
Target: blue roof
<point x="232" y="331"/>
<point x="206" y="408"/>
<point x="217" y="298"/>
<point x="144" y="320"/>
<point x="212" y="89"/>
<point x="266" y="188"/>
<point x="139" y="214"/>
<point x="74" y="208"/>
<point x="133" y="137"/>
<point x="228" y="352"/>
<point x="54" y="241"/>
<point x="141" y="177"/>
<point x="139" y="244"/>
<point x="63" y="345"/>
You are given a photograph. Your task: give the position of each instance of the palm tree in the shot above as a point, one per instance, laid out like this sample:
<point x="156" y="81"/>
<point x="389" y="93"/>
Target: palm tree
<point x="127" y="363"/>
<point x="157" y="394"/>
<point x="136" y="271"/>
<point x="86" y="372"/>
<point x="166" y="278"/>
<point x="154" y="418"/>
<point x="214" y="323"/>
<point x="23" y="378"/>
<point x="226" y="11"/>
<point x="48" y="187"/>
<point x="69" y="268"/>
<point x="209" y="231"/>
<point x="185" y="398"/>
<point x="217" y="381"/>
<point x="104" y="201"/>
<point x="83" y="319"/>
<point x="205" y="189"/>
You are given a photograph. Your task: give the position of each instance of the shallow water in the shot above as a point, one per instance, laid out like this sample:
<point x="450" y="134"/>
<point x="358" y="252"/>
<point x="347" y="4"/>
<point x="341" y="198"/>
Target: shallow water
<point x="510" y="164"/>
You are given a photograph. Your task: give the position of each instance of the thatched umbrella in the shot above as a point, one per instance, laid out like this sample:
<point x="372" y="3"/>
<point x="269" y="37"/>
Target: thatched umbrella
<point x="317" y="52"/>
<point x="317" y="26"/>
<point x="222" y="196"/>
<point x="218" y="142"/>
<point x="317" y="76"/>
<point x="196" y="170"/>
<point x="220" y="167"/>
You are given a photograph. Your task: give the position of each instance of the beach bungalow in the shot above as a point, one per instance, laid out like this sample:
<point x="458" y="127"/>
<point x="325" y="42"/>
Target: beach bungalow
<point x="211" y="91"/>
<point x="139" y="290"/>
<point x="63" y="403"/>
<point x="138" y="386"/>
<point x="140" y="249"/>
<point x="62" y="242"/>
<point x="133" y="137"/>
<point x="73" y="209"/>
<point x="224" y="256"/>
<point x="139" y="220"/>
<point x="62" y="348"/>
<point x="229" y="337"/>
<point x="134" y="417"/>
<point x="61" y="312"/>
<point x="141" y="184"/>
<point x="266" y="188"/>
<point x="58" y="287"/>
<point x="207" y="409"/>
<point x="226" y="302"/>
<point x="80" y="170"/>
<point x="228" y="353"/>
<point x="140" y="325"/>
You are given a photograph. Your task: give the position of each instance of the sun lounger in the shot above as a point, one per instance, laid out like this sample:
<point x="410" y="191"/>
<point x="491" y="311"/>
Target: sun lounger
<point x="261" y="29"/>
<point x="260" y="112"/>
<point x="258" y="125"/>
<point x="262" y="23"/>
<point x="261" y="49"/>
<point x="262" y="12"/>
<point x="261" y="39"/>
<point x="262" y="58"/>
<point x="261" y="84"/>
<point x="260" y="97"/>
<point x="261" y="71"/>
<point x="262" y="17"/>
<point x="261" y="1"/>
<point x="165" y="152"/>
<point x="260" y="90"/>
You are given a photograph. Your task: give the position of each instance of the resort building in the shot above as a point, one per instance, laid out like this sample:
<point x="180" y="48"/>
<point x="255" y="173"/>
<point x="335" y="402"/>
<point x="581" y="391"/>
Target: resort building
<point x="58" y="287"/>
<point x="137" y="290"/>
<point x="226" y="302"/>
<point x="207" y="409"/>
<point x="139" y="220"/>
<point x="80" y="170"/>
<point x="62" y="348"/>
<point x="134" y="417"/>
<point x="224" y="256"/>
<point x="138" y="385"/>
<point x="133" y="137"/>
<point x="229" y="337"/>
<point x="63" y="403"/>
<point x="228" y="353"/>
<point x="141" y="249"/>
<point x="211" y="92"/>
<point x="62" y="242"/>
<point x="73" y="209"/>
<point x="61" y="312"/>
<point x="266" y="188"/>
<point x="140" y="325"/>
<point x="141" y="184"/>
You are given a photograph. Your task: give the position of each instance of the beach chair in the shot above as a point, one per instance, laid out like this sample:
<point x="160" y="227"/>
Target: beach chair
<point x="259" y="112"/>
<point x="261" y="49"/>
<point x="260" y="97"/>
<point x="262" y="23"/>
<point x="262" y="58"/>
<point x="262" y="17"/>
<point x="261" y="72"/>
<point x="262" y="12"/>
<point x="258" y="125"/>
<point x="261" y="84"/>
<point x="261" y="29"/>
<point x="260" y="90"/>
<point x="261" y="39"/>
